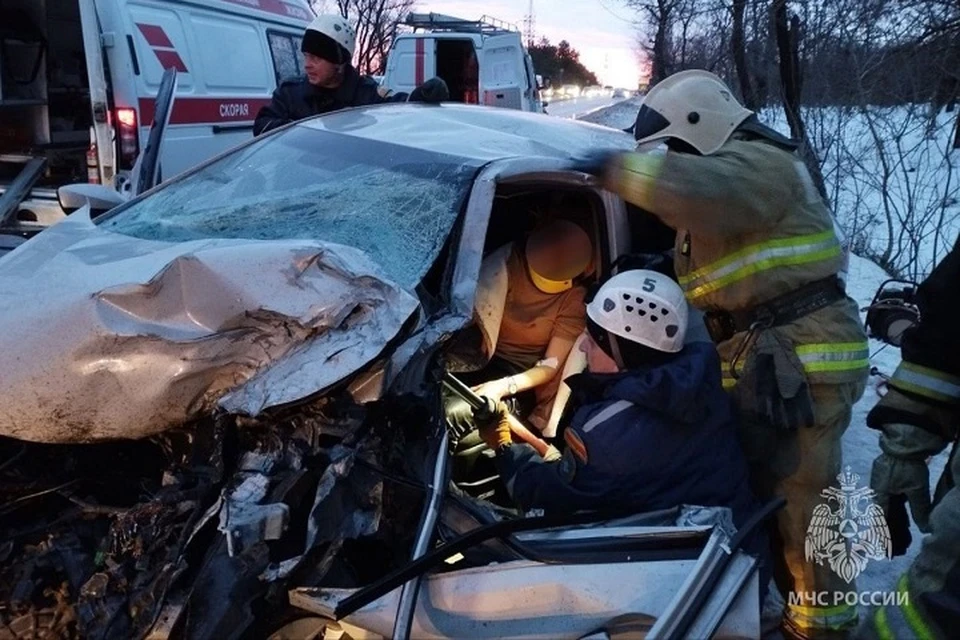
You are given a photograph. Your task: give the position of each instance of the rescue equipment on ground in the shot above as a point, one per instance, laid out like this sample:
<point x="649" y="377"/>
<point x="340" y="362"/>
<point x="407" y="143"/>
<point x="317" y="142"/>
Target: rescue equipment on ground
<point x="893" y="311"/>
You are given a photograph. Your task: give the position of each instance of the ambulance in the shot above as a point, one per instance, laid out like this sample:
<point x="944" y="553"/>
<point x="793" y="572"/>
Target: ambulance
<point x="79" y="81"/>
<point x="482" y="61"/>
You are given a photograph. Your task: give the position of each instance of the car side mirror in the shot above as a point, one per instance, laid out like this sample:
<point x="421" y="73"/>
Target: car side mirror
<point x="100" y="198"/>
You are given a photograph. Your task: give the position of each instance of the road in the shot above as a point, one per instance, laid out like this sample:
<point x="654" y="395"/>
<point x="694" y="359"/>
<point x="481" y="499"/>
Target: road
<point x="578" y="106"/>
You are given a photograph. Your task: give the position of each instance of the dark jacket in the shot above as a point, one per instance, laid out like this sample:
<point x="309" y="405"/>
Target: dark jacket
<point x="297" y="99"/>
<point x="643" y="440"/>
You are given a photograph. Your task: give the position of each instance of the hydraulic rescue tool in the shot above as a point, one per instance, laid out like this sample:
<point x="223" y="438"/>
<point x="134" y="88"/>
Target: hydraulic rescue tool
<point x="517" y="428"/>
<point x="892" y="311"/>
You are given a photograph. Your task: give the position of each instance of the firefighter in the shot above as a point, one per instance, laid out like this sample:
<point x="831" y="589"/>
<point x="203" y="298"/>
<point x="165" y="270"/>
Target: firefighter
<point x="919" y="417"/>
<point x="759" y="253"/>
<point x="331" y="81"/>
<point x="651" y="427"/>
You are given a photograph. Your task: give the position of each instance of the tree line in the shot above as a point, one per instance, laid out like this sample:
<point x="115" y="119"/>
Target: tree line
<point x="560" y="64"/>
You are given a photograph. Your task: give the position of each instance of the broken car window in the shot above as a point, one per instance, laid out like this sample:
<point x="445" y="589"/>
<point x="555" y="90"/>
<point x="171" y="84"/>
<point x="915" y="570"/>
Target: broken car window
<point x="397" y="204"/>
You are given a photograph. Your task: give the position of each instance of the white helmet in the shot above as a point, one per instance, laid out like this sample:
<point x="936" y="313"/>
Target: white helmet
<point x="642" y="306"/>
<point x="694" y="106"/>
<point x="337" y="28"/>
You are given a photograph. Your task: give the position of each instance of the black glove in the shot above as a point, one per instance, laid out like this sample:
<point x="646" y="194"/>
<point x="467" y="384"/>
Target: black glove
<point x="433" y="91"/>
<point x="595" y="162"/>
<point x="899" y="524"/>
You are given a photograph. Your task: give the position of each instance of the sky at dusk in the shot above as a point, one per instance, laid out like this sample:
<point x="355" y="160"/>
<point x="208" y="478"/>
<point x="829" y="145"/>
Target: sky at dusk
<point x="601" y="30"/>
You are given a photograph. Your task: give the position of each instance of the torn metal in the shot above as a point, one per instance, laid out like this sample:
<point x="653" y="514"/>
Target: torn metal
<point x="116" y="337"/>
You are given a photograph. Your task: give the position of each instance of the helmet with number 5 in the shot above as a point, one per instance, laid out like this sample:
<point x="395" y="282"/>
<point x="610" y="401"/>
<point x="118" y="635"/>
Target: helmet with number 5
<point x="640" y="306"/>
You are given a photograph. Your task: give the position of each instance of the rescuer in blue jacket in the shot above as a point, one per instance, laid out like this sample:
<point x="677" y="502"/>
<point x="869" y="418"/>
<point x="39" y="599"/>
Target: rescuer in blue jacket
<point x="330" y="82"/>
<point x="652" y="428"/>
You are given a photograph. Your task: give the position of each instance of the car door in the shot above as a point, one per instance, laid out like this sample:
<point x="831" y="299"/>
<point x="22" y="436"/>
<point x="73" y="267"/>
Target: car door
<point x="146" y="172"/>
<point x="502" y="72"/>
<point x="99" y="99"/>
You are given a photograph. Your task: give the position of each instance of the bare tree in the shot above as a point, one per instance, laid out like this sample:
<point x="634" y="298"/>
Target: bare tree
<point x="659" y="16"/>
<point x="683" y="34"/>
<point x="738" y="43"/>
<point x="788" y="35"/>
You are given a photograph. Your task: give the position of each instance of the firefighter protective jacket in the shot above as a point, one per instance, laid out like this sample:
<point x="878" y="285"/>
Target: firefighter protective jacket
<point x="751" y="226"/>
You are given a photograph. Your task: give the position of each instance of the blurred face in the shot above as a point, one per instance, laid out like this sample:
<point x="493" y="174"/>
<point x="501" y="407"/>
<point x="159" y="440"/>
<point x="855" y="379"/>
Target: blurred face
<point x="597" y="360"/>
<point x="561" y="251"/>
<point x="322" y="73"/>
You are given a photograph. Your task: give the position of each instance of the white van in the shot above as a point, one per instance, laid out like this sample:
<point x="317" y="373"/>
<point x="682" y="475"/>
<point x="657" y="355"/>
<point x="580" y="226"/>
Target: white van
<point x="79" y="79"/>
<point x="482" y="61"/>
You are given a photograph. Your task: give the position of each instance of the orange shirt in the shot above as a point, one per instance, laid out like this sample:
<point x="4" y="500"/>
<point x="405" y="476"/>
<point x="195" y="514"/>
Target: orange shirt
<point x="532" y="318"/>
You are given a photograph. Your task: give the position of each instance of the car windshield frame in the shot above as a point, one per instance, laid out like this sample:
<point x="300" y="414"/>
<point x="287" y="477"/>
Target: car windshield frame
<point x="414" y="185"/>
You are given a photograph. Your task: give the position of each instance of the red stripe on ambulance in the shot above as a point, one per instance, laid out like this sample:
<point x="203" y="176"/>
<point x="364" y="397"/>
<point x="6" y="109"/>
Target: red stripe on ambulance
<point x="205" y="110"/>
<point x="161" y="46"/>
<point x="170" y="59"/>
<point x="155" y="36"/>
<point x="418" y="78"/>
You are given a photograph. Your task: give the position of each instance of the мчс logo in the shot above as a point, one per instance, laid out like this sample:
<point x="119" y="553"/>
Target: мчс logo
<point x="847" y="537"/>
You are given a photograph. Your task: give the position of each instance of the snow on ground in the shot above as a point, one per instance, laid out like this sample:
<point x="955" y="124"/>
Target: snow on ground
<point x="895" y="162"/>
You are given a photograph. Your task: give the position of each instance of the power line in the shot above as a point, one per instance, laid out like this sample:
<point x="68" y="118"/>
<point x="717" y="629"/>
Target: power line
<point x="614" y="14"/>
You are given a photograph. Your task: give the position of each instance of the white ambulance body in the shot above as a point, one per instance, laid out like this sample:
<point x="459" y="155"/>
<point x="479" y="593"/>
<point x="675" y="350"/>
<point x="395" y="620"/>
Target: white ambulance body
<point x="80" y="79"/>
<point x="482" y="61"/>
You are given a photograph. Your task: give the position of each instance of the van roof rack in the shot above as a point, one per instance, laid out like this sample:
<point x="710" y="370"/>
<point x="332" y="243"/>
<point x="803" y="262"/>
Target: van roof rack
<point x="440" y="22"/>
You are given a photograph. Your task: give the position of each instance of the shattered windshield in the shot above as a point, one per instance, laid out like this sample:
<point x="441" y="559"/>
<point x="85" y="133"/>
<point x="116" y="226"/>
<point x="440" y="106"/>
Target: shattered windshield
<point x="395" y="203"/>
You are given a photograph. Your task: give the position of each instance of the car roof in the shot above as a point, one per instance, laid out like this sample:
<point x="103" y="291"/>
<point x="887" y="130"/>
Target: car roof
<point x="475" y="132"/>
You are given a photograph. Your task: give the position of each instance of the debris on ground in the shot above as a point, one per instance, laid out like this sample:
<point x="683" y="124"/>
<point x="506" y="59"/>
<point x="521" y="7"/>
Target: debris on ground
<point x="197" y="532"/>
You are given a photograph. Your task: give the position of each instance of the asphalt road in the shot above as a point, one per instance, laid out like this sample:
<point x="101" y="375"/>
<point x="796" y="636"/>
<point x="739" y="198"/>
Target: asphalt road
<point x="578" y="106"/>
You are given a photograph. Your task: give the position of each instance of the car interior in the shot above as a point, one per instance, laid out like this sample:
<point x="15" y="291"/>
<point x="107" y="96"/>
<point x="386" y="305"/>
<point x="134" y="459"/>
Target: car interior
<point x="517" y="210"/>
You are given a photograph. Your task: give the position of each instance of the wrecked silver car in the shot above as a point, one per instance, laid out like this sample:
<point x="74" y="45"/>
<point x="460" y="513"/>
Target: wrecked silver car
<point x="222" y="408"/>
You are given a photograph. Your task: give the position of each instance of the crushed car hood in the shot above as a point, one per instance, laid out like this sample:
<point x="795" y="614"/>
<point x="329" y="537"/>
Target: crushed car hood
<point x="106" y="336"/>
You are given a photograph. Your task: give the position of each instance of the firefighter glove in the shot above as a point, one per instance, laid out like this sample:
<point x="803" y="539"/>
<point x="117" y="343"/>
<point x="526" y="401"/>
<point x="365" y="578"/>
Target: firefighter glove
<point x="494" y="424"/>
<point x="594" y="163"/>
<point x="433" y="91"/>
<point x="489" y="413"/>
<point x="902" y="480"/>
<point x="773" y="388"/>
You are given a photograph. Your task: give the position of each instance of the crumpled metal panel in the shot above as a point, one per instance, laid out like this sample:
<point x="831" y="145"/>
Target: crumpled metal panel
<point x="106" y="336"/>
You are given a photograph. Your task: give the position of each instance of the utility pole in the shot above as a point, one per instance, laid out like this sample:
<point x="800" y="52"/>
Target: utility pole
<point x="529" y="22"/>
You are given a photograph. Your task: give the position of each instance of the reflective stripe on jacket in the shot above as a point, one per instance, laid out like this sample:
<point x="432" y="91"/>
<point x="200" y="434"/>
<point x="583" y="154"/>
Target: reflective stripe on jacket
<point x="903" y="618"/>
<point x="926" y="382"/>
